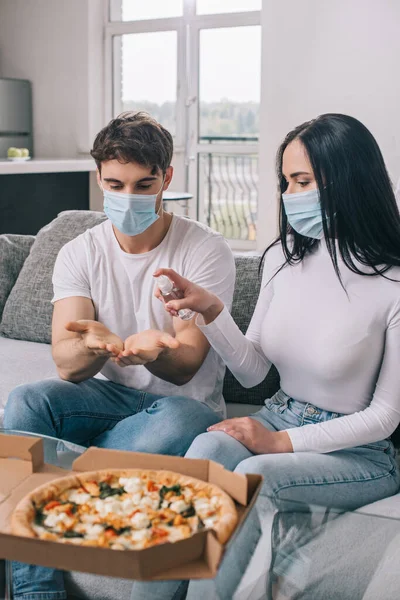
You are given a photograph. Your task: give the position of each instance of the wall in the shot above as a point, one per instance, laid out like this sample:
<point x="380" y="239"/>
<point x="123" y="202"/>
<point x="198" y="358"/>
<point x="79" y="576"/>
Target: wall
<point x="55" y="44"/>
<point x="318" y="56"/>
<point x="327" y="56"/>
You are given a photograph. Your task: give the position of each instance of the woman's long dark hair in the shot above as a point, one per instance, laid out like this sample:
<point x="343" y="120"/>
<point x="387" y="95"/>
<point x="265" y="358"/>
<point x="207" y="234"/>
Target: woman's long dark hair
<point x="358" y="205"/>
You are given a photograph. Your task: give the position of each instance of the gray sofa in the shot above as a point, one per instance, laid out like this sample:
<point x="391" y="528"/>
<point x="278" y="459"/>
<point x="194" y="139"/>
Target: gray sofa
<point x="26" y="265"/>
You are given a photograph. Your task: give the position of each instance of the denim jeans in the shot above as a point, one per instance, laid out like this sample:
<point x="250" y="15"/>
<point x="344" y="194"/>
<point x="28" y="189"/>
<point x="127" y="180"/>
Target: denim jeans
<point x="105" y="414"/>
<point x="223" y="586"/>
<point x="345" y="480"/>
<point x="342" y="481"/>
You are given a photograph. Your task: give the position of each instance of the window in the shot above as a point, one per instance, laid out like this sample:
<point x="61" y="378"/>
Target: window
<point x="137" y="10"/>
<point x="149" y="83"/>
<point x="213" y="7"/>
<point x="195" y="65"/>
<point x="229" y="89"/>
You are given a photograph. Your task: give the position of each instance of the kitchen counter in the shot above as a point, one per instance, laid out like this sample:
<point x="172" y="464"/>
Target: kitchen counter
<point x="44" y="165"/>
<point x="34" y="191"/>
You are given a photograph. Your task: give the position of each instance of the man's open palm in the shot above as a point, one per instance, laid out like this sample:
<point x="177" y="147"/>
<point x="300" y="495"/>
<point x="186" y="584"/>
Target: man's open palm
<point x="138" y="349"/>
<point x="145" y="347"/>
<point x="97" y="337"/>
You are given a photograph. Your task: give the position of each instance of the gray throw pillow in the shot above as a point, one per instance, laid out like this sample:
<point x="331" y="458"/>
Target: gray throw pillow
<point x="13" y="251"/>
<point x="28" y="310"/>
<point x="247" y="287"/>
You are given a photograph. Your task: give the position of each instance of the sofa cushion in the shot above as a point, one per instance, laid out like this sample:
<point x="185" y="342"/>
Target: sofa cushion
<point x="22" y="362"/>
<point x="14" y="249"/>
<point x="247" y="287"/>
<point x="28" y="310"/>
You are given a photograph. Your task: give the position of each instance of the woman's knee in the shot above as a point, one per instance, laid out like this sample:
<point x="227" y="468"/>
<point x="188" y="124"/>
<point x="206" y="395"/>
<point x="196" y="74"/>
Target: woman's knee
<point x="206" y="445"/>
<point x="218" y="446"/>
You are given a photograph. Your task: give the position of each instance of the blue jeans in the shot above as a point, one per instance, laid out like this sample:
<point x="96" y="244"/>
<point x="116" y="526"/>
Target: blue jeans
<point x="105" y="414"/>
<point x="223" y="586"/>
<point x="345" y="480"/>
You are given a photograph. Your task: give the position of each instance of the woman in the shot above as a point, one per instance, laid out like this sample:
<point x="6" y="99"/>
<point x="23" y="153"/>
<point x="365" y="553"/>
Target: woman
<point x="328" y="317"/>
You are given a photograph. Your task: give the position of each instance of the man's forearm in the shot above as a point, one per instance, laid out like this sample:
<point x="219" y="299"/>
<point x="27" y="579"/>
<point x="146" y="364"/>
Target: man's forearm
<point x="177" y="366"/>
<point x="75" y="362"/>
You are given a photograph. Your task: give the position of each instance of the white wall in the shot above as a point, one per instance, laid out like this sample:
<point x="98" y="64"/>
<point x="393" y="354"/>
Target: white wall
<point x="327" y="56"/>
<point x="48" y="42"/>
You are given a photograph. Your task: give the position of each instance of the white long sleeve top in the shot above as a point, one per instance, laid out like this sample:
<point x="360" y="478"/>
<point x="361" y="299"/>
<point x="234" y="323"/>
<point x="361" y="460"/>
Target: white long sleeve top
<point x="339" y="351"/>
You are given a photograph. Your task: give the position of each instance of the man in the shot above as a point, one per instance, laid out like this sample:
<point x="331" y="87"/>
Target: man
<point x="160" y="383"/>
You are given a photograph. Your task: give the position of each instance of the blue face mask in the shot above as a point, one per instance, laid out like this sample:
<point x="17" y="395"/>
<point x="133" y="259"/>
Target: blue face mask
<point x="304" y="214"/>
<point x="131" y="214"/>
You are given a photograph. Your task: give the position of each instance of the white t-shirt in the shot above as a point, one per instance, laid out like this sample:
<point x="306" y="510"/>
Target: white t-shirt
<point x="121" y="286"/>
<point x="337" y="351"/>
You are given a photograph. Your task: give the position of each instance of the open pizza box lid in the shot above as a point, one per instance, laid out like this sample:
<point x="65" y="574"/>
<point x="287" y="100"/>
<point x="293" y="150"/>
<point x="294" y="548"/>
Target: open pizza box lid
<point x="22" y="469"/>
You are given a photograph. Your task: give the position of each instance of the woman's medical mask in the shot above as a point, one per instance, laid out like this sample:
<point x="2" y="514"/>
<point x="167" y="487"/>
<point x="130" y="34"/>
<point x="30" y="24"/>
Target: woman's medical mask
<point x="131" y="214"/>
<point x="304" y="214"/>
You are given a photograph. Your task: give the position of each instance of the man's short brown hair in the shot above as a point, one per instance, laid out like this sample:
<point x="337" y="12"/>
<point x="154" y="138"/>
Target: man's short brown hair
<point x="134" y="137"/>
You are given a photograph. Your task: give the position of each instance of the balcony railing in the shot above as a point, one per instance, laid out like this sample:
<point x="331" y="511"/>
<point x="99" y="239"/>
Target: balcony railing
<point x="228" y="184"/>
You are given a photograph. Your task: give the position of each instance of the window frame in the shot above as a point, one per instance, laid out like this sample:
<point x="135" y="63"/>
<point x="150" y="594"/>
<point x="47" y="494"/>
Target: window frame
<point x="187" y="146"/>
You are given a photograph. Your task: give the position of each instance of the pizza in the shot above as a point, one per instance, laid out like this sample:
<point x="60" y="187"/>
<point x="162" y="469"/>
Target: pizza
<point x="128" y="509"/>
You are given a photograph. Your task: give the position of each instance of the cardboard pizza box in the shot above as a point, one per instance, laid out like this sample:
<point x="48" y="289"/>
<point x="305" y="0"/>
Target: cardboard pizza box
<point x="22" y="469"/>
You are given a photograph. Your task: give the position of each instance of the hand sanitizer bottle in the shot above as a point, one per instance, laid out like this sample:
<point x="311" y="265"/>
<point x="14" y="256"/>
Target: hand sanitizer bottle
<point x="169" y="292"/>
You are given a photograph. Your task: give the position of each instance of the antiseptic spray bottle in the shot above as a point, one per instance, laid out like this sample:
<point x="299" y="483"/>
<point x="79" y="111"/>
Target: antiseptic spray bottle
<point x="169" y="292"/>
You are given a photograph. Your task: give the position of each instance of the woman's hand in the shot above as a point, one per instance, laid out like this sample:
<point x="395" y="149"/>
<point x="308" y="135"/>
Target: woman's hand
<point x="195" y="297"/>
<point x="257" y="438"/>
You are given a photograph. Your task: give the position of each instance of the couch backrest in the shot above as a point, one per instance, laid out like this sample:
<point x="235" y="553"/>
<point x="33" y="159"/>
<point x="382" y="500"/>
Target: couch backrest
<point x="28" y="310"/>
<point x="14" y="250"/>
<point x="247" y="287"/>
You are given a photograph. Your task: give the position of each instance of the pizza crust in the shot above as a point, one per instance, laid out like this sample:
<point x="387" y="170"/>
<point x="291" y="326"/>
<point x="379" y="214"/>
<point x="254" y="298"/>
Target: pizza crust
<point x="22" y="517"/>
<point x="24" y="512"/>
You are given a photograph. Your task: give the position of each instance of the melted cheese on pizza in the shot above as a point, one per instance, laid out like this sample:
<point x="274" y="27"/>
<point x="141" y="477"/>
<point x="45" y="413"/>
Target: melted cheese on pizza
<point x="125" y="513"/>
